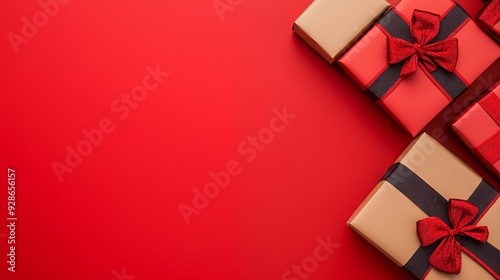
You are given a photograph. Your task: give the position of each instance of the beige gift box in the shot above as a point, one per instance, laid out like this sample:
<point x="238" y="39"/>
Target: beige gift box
<point x="419" y="184"/>
<point x="332" y="26"/>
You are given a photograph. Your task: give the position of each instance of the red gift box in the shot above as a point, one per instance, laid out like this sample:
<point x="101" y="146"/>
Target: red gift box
<point x="479" y="128"/>
<point x="452" y="52"/>
<point x="489" y="19"/>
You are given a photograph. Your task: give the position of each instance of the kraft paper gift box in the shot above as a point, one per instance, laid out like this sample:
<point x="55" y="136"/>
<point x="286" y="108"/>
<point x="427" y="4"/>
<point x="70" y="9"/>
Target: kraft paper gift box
<point x="489" y="19"/>
<point x="413" y="205"/>
<point x="479" y="128"/>
<point x="331" y="26"/>
<point x="421" y="55"/>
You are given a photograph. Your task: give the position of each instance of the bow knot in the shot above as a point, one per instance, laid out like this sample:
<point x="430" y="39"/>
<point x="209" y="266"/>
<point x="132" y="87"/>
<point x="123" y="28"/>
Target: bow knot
<point x="420" y="49"/>
<point x="424" y="27"/>
<point x="447" y="256"/>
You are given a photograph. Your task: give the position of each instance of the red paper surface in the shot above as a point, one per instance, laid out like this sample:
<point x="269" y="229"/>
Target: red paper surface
<point x="116" y="214"/>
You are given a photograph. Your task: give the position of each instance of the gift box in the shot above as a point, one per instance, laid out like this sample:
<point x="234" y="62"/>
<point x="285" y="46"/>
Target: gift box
<point x="489" y="19"/>
<point x="420" y="56"/>
<point x="479" y="128"/>
<point x="331" y="26"/>
<point x="434" y="216"/>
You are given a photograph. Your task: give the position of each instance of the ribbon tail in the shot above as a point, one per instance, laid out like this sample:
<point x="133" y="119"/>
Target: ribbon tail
<point x="428" y="63"/>
<point x="410" y="66"/>
<point x="448" y="256"/>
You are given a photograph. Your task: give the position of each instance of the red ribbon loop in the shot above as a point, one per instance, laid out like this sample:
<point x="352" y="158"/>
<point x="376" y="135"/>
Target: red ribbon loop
<point x="424" y="27"/>
<point x="447" y="257"/>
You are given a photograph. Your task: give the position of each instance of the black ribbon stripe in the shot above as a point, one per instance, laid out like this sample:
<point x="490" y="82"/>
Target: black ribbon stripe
<point x="486" y="252"/>
<point x="397" y="27"/>
<point x="418" y="265"/>
<point x="450" y="82"/>
<point x="450" y="23"/>
<point x="482" y="197"/>
<point x="418" y="191"/>
<point x="432" y="203"/>
<point x="385" y="81"/>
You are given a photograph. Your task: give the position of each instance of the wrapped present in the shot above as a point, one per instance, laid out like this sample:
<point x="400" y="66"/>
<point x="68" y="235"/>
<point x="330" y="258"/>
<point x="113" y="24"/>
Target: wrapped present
<point x="489" y="19"/>
<point x="479" y="128"/>
<point x="331" y="26"/>
<point x="420" y="56"/>
<point x="434" y="216"/>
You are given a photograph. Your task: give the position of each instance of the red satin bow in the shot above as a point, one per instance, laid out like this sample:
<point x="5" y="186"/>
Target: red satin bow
<point x="447" y="257"/>
<point x="424" y="27"/>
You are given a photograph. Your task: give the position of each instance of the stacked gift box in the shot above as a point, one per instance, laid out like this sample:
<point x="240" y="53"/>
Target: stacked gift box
<point x="430" y="213"/>
<point x="479" y="128"/>
<point x="422" y="198"/>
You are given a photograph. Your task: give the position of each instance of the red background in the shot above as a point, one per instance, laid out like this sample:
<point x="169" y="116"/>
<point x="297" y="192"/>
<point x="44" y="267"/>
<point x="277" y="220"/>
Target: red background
<point x="119" y="207"/>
